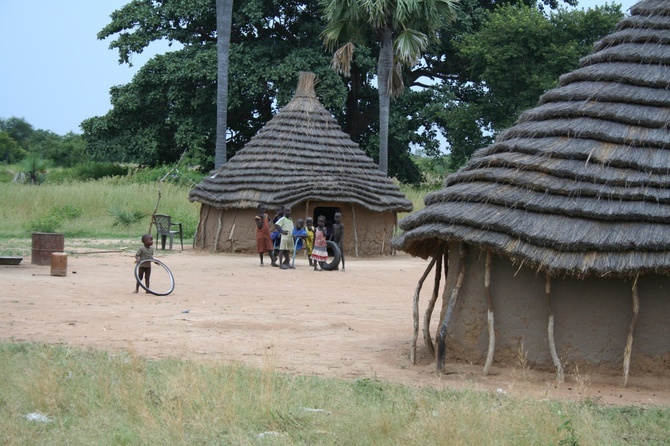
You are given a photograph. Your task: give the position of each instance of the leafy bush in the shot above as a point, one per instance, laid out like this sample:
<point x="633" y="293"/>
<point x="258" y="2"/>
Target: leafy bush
<point x="94" y="171"/>
<point x="125" y="217"/>
<point x="87" y="171"/>
<point x="49" y="222"/>
<point x="6" y="175"/>
<point x="33" y="169"/>
<point x="53" y="220"/>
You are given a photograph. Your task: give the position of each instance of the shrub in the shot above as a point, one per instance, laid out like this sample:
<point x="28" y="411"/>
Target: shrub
<point x="49" y="222"/>
<point x="93" y="171"/>
<point x="125" y="217"/>
<point x="53" y="220"/>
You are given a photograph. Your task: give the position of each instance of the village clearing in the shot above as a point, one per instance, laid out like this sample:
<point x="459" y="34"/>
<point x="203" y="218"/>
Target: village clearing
<point x="227" y="309"/>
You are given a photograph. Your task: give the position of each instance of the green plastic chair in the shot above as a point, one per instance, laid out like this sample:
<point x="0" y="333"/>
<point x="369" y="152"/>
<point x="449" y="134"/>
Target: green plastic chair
<point x="165" y="228"/>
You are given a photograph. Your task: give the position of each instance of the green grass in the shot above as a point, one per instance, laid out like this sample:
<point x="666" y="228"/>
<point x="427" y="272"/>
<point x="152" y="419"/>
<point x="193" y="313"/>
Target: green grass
<point x="104" y="209"/>
<point x="100" y="398"/>
<point x="91" y="209"/>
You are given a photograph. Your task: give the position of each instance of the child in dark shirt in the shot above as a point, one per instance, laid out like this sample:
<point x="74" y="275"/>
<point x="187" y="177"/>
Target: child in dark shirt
<point x="338" y="235"/>
<point x="146" y="252"/>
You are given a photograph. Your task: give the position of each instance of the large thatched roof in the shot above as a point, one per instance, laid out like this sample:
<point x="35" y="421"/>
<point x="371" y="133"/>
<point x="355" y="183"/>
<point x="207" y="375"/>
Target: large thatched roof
<point x="581" y="184"/>
<point x="300" y="154"/>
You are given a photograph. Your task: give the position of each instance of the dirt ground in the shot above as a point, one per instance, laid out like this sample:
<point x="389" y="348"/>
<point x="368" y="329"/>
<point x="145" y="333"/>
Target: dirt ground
<point x="225" y="308"/>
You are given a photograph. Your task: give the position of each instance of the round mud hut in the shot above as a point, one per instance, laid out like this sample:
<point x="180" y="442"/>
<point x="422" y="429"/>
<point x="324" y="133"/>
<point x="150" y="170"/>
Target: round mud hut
<point x="555" y="240"/>
<point x="301" y="159"/>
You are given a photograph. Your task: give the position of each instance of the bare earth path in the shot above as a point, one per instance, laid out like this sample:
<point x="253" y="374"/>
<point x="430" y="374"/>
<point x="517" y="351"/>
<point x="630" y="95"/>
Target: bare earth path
<point x="225" y="308"/>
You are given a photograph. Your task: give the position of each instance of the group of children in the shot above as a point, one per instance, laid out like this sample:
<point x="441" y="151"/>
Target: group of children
<point x="313" y="239"/>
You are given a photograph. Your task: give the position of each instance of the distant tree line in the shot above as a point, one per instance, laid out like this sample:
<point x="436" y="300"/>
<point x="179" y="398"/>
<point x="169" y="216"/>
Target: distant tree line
<point x="19" y="139"/>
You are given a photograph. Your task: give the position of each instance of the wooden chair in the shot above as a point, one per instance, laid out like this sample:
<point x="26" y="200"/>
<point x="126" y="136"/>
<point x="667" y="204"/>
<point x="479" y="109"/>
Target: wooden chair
<point x="165" y="228"/>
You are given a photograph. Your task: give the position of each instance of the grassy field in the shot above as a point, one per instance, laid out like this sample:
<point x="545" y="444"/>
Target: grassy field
<point x="95" y="210"/>
<point x="91" y="209"/>
<point x="54" y="395"/>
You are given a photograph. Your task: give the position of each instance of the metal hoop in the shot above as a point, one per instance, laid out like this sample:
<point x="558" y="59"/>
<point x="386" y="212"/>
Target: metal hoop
<point x="158" y="262"/>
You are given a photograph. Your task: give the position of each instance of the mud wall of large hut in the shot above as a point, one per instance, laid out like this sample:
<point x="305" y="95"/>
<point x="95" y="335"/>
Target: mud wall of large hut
<point x="591" y="317"/>
<point x="367" y="233"/>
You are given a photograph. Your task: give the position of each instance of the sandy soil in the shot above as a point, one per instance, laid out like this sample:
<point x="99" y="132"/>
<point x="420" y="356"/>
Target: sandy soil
<point x="225" y="308"/>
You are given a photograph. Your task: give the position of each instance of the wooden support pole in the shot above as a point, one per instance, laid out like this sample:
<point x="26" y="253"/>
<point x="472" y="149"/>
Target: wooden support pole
<point x="427" y="340"/>
<point x="218" y="232"/>
<point x="446" y="277"/>
<point x="202" y="225"/>
<point x="560" y="377"/>
<point x="395" y="230"/>
<point x="353" y="216"/>
<point x="631" y="331"/>
<point x="231" y="238"/>
<point x="453" y="299"/>
<point x="489" y="314"/>
<point x="415" y="312"/>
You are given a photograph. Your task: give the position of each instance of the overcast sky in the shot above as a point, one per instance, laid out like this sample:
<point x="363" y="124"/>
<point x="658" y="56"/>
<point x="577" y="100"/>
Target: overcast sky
<point x="55" y="73"/>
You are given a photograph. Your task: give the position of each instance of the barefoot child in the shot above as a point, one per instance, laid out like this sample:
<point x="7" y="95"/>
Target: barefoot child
<point x="263" y="239"/>
<point x="299" y="235"/>
<point x="338" y="235"/>
<point x="285" y="226"/>
<point x="145" y="252"/>
<point x="309" y="240"/>
<point x="320" y="250"/>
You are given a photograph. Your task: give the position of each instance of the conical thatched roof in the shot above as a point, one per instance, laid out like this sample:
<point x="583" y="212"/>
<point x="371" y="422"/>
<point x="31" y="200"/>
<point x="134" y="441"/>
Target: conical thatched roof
<point x="581" y="184"/>
<point x="301" y="154"/>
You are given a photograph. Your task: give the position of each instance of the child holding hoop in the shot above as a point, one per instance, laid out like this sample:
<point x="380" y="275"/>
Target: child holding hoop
<point x="145" y="252"/>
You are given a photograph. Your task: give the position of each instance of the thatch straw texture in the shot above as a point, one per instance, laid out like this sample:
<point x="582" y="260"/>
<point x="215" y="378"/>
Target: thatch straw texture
<point x="301" y="154"/>
<point x="580" y="186"/>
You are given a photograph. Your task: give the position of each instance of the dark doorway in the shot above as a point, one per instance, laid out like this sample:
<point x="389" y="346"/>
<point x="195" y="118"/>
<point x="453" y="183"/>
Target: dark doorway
<point x="329" y="213"/>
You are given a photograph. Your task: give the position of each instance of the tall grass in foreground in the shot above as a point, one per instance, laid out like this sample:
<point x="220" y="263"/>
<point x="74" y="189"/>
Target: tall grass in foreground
<point x="88" y="397"/>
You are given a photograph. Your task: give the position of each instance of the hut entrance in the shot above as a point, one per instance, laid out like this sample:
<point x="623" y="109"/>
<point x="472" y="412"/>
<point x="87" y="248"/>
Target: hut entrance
<point x="329" y="213"/>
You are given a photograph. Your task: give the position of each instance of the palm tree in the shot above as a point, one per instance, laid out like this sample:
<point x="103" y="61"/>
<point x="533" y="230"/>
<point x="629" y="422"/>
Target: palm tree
<point x="224" y="19"/>
<point x="402" y="28"/>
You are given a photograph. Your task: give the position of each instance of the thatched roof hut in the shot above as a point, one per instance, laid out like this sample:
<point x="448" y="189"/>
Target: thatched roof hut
<point x="302" y="159"/>
<point x="565" y="216"/>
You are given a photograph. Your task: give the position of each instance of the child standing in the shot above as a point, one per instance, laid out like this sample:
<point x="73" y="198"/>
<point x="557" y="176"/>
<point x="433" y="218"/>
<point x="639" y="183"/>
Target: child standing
<point x="276" y="235"/>
<point x="299" y="235"/>
<point x="285" y="226"/>
<point x="144" y="253"/>
<point x="320" y="250"/>
<point x="263" y="240"/>
<point x="338" y="235"/>
<point x="309" y="240"/>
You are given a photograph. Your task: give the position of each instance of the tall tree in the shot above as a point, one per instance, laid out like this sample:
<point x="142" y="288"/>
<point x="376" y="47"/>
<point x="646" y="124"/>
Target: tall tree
<point x="224" y="20"/>
<point x="171" y="103"/>
<point x="18" y="129"/>
<point x="402" y="28"/>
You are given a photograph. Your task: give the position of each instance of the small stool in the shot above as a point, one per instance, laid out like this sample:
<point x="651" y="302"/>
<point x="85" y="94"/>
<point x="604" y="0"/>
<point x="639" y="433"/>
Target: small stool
<point x="59" y="264"/>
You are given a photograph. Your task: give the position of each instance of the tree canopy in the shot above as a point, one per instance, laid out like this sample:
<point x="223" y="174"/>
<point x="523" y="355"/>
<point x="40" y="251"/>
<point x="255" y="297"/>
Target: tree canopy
<point x="473" y="81"/>
<point x="19" y="139"/>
